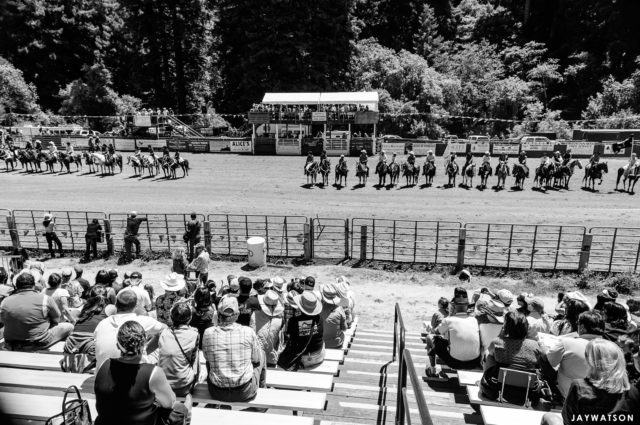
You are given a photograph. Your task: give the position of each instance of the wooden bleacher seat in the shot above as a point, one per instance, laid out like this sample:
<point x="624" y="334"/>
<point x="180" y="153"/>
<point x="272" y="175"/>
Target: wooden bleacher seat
<point x="493" y="415"/>
<point x="327" y="367"/>
<point x="475" y="398"/>
<point x="41" y="407"/>
<point x="469" y="377"/>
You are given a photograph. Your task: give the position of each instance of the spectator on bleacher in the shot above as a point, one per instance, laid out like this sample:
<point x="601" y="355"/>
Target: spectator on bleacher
<point x="5" y="288"/>
<point x="179" y="262"/>
<point x="616" y="323"/>
<point x="151" y="292"/>
<point x="607" y="295"/>
<point x="143" y="303"/>
<point x="539" y="321"/>
<point x="130" y="391"/>
<point x="567" y="355"/>
<point x="267" y="324"/>
<point x="247" y="303"/>
<point x="107" y="330"/>
<point x="203" y="311"/>
<point x="93" y="312"/>
<point x="31" y="318"/>
<point x="439" y="315"/>
<point x="73" y="287"/>
<point x="523" y="305"/>
<point x="457" y="339"/>
<point x="334" y="320"/>
<point x="232" y="288"/>
<point x="174" y="292"/>
<point x="60" y="296"/>
<point x="235" y="361"/>
<point x="290" y="307"/>
<point x="506" y="297"/>
<point x="213" y="292"/>
<point x="84" y="283"/>
<point x="131" y="233"/>
<point x="573" y="307"/>
<point x="36" y="269"/>
<point x="200" y="264"/>
<point x="192" y="234"/>
<point x="634" y="310"/>
<point x="347" y="297"/>
<point x="604" y="390"/>
<point x="305" y="346"/>
<point x="489" y="313"/>
<point x="94" y="229"/>
<point x="178" y="351"/>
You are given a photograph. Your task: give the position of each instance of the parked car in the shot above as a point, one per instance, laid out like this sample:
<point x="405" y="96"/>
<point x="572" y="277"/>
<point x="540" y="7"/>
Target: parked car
<point x="477" y="138"/>
<point x="534" y="139"/>
<point x="450" y="138"/>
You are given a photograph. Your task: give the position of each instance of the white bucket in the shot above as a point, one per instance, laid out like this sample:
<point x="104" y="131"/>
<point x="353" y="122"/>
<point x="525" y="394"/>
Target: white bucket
<point x="257" y="251"/>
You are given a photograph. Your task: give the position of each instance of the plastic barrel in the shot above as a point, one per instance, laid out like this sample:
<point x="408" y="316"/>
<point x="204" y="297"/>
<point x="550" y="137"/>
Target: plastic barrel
<point x="257" y="251"/>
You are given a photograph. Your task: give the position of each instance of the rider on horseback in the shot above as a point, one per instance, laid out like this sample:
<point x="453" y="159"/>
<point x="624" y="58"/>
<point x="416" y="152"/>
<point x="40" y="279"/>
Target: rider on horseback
<point x="411" y="159"/>
<point x="91" y="147"/>
<point x="28" y="146"/>
<point x="468" y="162"/>
<point x="310" y="160"/>
<point x="152" y="154"/>
<point x="38" y="145"/>
<point x="52" y="148"/>
<point x="502" y="160"/>
<point x="165" y="152"/>
<point x="431" y="158"/>
<point x="111" y="149"/>
<point x="566" y="159"/>
<point x="69" y="150"/>
<point x="522" y="159"/>
<point x="178" y="158"/>
<point x="104" y="148"/>
<point x="486" y="159"/>
<point x="557" y="159"/>
<point x="633" y="162"/>
<point x="382" y="159"/>
<point x="341" y="161"/>
<point x="364" y="159"/>
<point x="393" y="158"/>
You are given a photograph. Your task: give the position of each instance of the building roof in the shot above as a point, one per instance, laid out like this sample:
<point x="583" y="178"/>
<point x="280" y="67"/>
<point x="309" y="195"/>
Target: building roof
<point x="369" y="98"/>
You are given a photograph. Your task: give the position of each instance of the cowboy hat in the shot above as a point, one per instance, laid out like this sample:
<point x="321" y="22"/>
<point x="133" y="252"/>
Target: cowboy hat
<point x="330" y="294"/>
<point x="173" y="282"/>
<point x="343" y="293"/>
<point x="465" y="275"/>
<point x="133" y="213"/>
<point x="270" y="303"/>
<point x="309" y="303"/>
<point x="278" y="284"/>
<point x="505" y="296"/>
<point x="48" y="216"/>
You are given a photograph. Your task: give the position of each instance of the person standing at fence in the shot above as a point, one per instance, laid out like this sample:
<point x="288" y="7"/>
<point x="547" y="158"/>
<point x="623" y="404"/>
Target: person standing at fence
<point x="92" y="237"/>
<point x="131" y="233"/>
<point x="200" y="264"/>
<point x="50" y="235"/>
<point x="192" y="234"/>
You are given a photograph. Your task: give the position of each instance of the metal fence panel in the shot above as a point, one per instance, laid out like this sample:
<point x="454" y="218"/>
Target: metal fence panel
<point x="406" y="240"/>
<point x="284" y="235"/>
<point x="523" y="246"/>
<point x="70" y="226"/>
<point x="161" y="232"/>
<point x="615" y="249"/>
<point x="330" y="238"/>
<point x="5" y="233"/>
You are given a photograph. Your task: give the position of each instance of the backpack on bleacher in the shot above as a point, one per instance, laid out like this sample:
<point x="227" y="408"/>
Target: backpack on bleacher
<point x="74" y="412"/>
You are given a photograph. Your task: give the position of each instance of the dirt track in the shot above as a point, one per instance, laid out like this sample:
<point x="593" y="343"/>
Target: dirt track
<point x="275" y="185"/>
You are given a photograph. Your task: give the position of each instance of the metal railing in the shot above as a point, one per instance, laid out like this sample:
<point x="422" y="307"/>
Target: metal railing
<point x="615" y="248"/>
<point x="406" y="367"/>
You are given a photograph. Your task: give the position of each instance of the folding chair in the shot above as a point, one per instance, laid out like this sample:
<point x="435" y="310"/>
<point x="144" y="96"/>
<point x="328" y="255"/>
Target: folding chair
<point x="518" y="379"/>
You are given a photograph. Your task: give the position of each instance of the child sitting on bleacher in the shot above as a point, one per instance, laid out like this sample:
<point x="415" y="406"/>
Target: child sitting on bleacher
<point x="439" y="316"/>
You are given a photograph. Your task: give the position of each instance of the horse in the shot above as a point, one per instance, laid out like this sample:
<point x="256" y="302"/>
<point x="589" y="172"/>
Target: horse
<point x="152" y="164"/>
<point x="50" y="160"/>
<point x="98" y="160"/>
<point x="135" y="162"/>
<point x="428" y="171"/>
<point x="9" y="158"/>
<point x="469" y="173"/>
<point x="452" y="171"/>
<point x="565" y="172"/>
<point x="111" y="160"/>
<point x="519" y="172"/>
<point x="544" y="174"/>
<point x="362" y="172"/>
<point x="410" y="173"/>
<point x="484" y="172"/>
<point x="90" y="161"/>
<point x="382" y="169"/>
<point x="341" y="171"/>
<point x="632" y="176"/>
<point x="67" y="159"/>
<point x="312" y="172"/>
<point x="394" y="172"/>
<point x="502" y="171"/>
<point x="27" y="159"/>
<point x="325" y="169"/>
<point x="594" y="172"/>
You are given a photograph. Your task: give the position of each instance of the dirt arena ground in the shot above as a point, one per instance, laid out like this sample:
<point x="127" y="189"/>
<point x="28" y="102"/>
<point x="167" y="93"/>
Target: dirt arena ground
<point x="227" y="183"/>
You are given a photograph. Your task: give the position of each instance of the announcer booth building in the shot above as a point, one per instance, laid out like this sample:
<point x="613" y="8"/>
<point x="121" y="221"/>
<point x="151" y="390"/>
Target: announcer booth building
<point x="341" y="123"/>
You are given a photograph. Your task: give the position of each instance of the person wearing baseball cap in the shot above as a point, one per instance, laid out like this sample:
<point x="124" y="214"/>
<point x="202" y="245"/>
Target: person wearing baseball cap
<point x="235" y="360"/>
<point x="334" y="319"/>
<point x="200" y="264"/>
<point x="131" y="234"/>
<point x="539" y="321"/>
<point x="267" y="323"/>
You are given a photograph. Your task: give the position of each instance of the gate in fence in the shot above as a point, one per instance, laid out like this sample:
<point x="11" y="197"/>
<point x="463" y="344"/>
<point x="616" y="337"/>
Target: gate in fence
<point x="405" y="240"/>
<point x="285" y="236"/>
<point x="70" y="227"/>
<point x="615" y="249"/>
<point x="330" y="238"/>
<point x="161" y="232"/>
<point x="523" y="246"/>
<point x="5" y="227"/>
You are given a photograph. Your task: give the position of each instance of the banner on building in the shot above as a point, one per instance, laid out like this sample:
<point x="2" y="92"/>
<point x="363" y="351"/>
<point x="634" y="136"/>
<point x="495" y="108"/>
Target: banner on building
<point x="319" y="116"/>
<point x="198" y="145"/>
<point x="179" y="145"/>
<point x="258" y="117"/>
<point x="142" y="120"/>
<point x="366" y="117"/>
<point x="423" y="148"/>
<point x="480" y="147"/>
<point x="220" y="145"/>
<point x="240" y="145"/>
<point x="508" y="148"/>
<point x="127" y="145"/>
<point x="581" y="148"/>
<point x="391" y="147"/>
<point x="538" y="146"/>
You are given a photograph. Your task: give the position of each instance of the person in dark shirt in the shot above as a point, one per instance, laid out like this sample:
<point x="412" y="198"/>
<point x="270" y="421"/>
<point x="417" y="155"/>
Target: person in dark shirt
<point x="94" y="229"/>
<point x="82" y="281"/>
<point x="81" y="339"/>
<point x="305" y="345"/>
<point x="247" y="303"/>
<point x="192" y="234"/>
<point x="131" y="233"/>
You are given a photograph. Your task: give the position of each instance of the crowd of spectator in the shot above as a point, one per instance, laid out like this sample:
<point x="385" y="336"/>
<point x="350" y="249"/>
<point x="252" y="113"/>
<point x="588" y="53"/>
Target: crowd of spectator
<point x="118" y="328"/>
<point x="582" y="358"/>
<point x="304" y="112"/>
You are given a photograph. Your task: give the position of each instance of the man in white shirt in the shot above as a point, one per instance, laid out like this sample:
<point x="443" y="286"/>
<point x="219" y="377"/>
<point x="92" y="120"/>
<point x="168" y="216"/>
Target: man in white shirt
<point x="458" y="342"/>
<point x="143" y="304"/>
<point x="106" y="333"/>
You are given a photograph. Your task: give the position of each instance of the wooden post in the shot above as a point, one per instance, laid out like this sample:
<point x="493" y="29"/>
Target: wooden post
<point x="585" y="252"/>
<point x="13" y="232"/>
<point x="307" y="242"/>
<point x="108" y="237"/>
<point x="363" y="243"/>
<point x="462" y="241"/>
<point x="253" y="139"/>
<point x="346" y="239"/>
<point x="207" y="236"/>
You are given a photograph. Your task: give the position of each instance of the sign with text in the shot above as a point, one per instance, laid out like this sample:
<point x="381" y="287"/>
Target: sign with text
<point x="581" y="148"/>
<point x="180" y="145"/>
<point x="142" y="120"/>
<point x="423" y="148"/>
<point x="457" y="147"/>
<point x="319" y="116"/>
<point x="198" y="145"/>
<point x="220" y="145"/>
<point x="240" y="146"/>
<point x="288" y="147"/>
<point x="366" y="117"/>
<point x="390" y="147"/>
<point x="125" y="144"/>
<point x="538" y="146"/>
<point x="259" y="117"/>
<point x="480" y="147"/>
<point x="508" y="148"/>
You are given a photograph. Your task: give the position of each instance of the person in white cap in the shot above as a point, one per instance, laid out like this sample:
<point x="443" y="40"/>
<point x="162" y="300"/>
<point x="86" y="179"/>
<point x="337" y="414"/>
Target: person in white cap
<point x="334" y="319"/>
<point x="267" y="323"/>
<point x="430" y="158"/>
<point x="131" y="233"/>
<point x="50" y="235"/>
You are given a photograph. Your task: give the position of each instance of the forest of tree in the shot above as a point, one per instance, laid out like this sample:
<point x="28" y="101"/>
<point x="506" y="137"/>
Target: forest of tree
<point x="545" y="62"/>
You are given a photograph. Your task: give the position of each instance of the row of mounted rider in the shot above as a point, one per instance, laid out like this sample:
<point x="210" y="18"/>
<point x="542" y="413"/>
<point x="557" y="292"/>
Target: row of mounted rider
<point x="555" y="171"/>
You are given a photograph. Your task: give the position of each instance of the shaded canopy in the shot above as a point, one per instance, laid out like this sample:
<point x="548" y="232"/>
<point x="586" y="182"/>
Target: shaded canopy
<point x="369" y="98"/>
